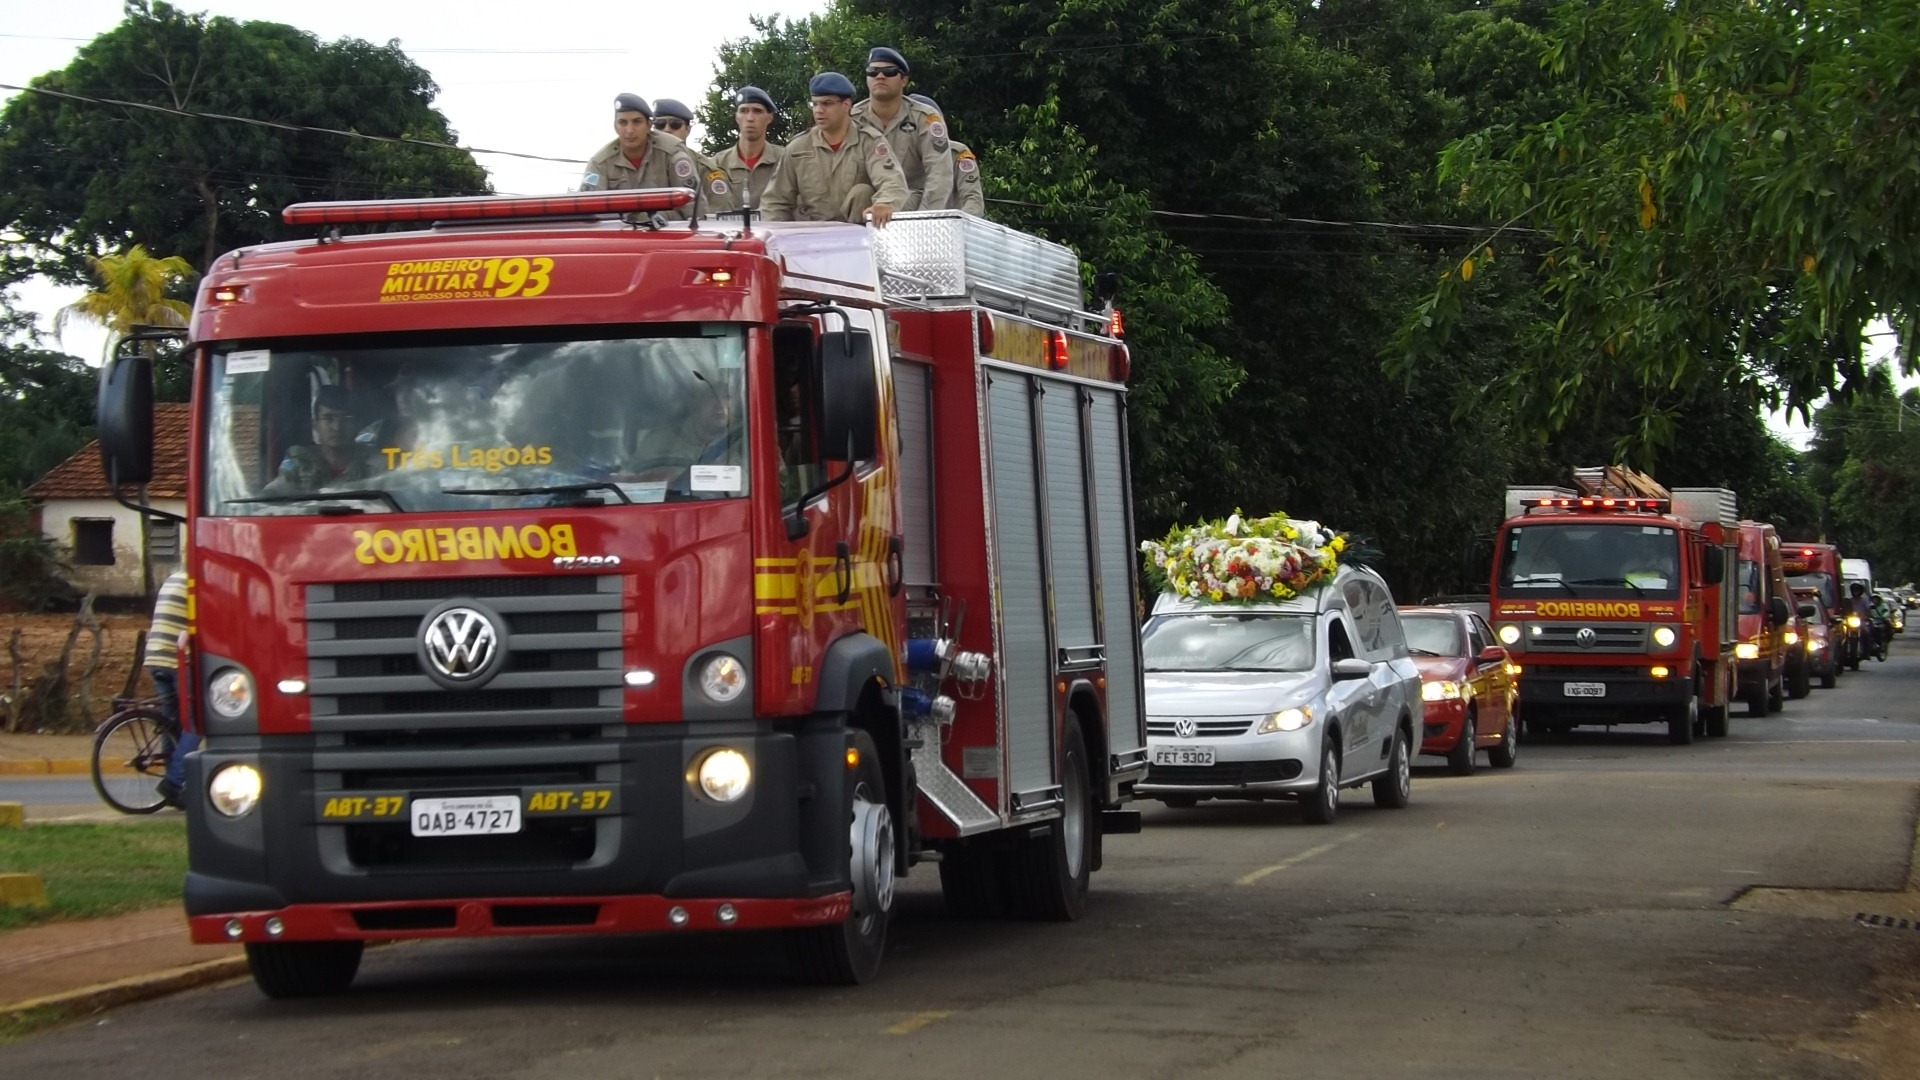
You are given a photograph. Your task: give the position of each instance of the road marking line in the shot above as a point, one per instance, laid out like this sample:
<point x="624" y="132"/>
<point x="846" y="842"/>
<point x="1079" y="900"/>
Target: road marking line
<point x="1294" y="860"/>
<point x="918" y="1020"/>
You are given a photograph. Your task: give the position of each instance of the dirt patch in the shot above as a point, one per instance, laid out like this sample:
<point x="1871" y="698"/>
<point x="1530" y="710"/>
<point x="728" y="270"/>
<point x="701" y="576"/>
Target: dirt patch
<point x="42" y="638"/>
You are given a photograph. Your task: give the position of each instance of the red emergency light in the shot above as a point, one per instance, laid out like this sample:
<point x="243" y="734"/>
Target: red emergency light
<point x="1604" y="503"/>
<point x="1116" y="324"/>
<point x="486" y="207"/>
<point x="1058" y="353"/>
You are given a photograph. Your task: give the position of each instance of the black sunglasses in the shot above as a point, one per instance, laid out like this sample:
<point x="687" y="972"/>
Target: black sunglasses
<point x="884" y="72"/>
<point x="668" y="125"/>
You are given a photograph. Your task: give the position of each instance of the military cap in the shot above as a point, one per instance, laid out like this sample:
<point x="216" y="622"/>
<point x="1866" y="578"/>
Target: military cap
<point x="667" y="106"/>
<point x="830" y="84"/>
<point x="880" y="54"/>
<point x="925" y="100"/>
<point x="753" y="95"/>
<point x="632" y="103"/>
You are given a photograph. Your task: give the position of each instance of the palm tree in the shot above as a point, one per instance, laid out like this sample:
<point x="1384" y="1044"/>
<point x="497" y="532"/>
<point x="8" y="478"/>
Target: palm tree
<point x="133" y="293"/>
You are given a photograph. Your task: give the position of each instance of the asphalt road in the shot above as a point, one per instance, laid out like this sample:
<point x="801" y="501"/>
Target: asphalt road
<point x="1569" y="917"/>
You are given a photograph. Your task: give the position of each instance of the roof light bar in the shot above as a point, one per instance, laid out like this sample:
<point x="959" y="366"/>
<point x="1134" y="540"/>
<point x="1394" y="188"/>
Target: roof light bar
<point x="1603" y="503"/>
<point x="486" y="207"/>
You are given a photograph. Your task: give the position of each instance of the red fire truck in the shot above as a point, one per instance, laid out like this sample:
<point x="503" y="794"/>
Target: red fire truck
<point x="1764" y="656"/>
<point x="1615" y="599"/>
<point x="555" y="569"/>
<point x="1817" y="566"/>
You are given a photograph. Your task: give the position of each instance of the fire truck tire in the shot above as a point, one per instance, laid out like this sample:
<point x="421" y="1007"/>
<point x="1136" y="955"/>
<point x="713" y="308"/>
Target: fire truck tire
<point x="1393" y="789"/>
<point x="1460" y="758"/>
<point x="1682" y="721"/>
<point x="973" y="880"/>
<point x="1800" y="682"/>
<point x="1048" y="871"/>
<point x="297" y="969"/>
<point x="1777" y="695"/>
<point x="849" y="953"/>
<point x="1830" y="677"/>
<point x="1321" y="805"/>
<point x="1756" y="701"/>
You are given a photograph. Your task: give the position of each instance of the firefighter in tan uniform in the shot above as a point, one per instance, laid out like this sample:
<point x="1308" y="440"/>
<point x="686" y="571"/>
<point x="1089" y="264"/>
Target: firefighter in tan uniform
<point x="751" y="163"/>
<point x="917" y="134"/>
<point x="716" y="188"/>
<point x="640" y="157"/>
<point x="969" y="191"/>
<point x="838" y="170"/>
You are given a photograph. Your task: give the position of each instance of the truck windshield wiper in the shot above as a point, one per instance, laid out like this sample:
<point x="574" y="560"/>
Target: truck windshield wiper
<point x="1612" y="581"/>
<point x="328" y="497"/>
<point x="1524" y="583"/>
<point x="550" y="489"/>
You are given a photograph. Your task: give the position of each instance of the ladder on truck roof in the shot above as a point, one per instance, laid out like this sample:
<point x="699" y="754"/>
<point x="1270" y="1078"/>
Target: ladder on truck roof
<point x="946" y="258"/>
<point x="1618" y="481"/>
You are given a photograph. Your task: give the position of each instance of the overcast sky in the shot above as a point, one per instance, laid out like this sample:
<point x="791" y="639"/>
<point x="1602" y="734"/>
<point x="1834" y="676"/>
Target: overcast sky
<point x="536" y="78"/>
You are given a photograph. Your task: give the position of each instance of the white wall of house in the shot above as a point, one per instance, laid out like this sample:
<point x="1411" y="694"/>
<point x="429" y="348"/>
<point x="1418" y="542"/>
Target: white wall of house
<point x="76" y="526"/>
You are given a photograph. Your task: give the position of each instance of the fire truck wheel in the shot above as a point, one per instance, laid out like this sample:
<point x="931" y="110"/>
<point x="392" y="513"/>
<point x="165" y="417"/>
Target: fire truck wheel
<point x="1048" y="871"/>
<point x="1393" y="789"/>
<point x="1460" y="758"/>
<point x="1321" y="805"/>
<point x="1777" y="695"/>
<point x="1800" y="682"/>
<point x="972" y="877"/>
<point x="849" y="953"/>
<point x="1830" y="677"/>
<point x="1504" y="755"/>
<point x="1756" y="702"/>
<point x="297" y="969"/>
<point x="1682" y="722"/>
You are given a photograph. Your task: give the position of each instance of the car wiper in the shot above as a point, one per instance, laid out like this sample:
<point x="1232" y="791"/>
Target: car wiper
<point x="328" y="497"/>
<point x="549" y="489"/>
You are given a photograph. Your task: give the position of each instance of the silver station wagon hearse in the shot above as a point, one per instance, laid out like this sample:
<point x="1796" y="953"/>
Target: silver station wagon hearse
<point x="1287" y="699"/>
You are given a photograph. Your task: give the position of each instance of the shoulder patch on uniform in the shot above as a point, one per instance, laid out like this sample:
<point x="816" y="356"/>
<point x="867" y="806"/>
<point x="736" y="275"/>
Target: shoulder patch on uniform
<point x="592" y="179"/>
<point x="683" y="167"/>
<point x="965" y="163"/>
<point x="881" y="149"/>
<point x="937" y="128"/>
<point x="718" y="184"/>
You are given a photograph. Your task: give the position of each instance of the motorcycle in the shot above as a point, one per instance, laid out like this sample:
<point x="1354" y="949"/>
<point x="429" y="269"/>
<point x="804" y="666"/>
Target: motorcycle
<point x="1882" y="632"/>
<point x="1852" y="649"/>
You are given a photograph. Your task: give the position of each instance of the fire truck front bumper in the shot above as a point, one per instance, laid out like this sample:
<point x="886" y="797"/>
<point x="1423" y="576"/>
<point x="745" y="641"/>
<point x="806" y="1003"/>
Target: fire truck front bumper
<point x="608" y="833"/>
<point x="1594" y="695"/>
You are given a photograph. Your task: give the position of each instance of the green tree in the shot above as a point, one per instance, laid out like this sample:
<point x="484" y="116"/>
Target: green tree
<point x="46" y="412"/>
<point x="1726" y="203"/>
<point x="79" y="178"/>
<point x="133" y="292"/>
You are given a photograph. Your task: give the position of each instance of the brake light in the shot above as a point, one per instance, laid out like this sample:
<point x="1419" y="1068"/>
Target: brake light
<point x="984" y="322"/>
<point x="1119" y="362"/>
<point x="486" y="207"/>
<point x="1116" y="325"/>
<point x="1058" y="354"/>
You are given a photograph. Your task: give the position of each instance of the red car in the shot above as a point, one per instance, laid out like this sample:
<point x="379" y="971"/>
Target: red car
<point x="1467" y="687"/>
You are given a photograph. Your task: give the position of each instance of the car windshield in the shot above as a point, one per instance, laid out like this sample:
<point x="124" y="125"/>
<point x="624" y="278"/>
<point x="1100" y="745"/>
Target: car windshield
<point x="1435" y="634"/>
<point x="1590" y="559"/>
<point x="1820" y="583"/>
<point x="1220" y="641"/>
<point x="401" y="426"/>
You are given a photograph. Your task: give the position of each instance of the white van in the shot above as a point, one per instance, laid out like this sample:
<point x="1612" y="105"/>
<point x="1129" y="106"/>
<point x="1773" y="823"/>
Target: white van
<point x="1293" y="699"/>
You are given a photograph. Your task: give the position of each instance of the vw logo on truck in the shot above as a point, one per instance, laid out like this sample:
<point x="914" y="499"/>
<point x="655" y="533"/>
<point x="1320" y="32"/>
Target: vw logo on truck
<point x="461" y="646"/>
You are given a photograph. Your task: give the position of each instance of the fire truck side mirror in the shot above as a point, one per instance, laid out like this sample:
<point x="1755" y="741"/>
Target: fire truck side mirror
<point x="1779" y="611"/>
<point x="849" y="396"/>
<point x="1713" y="565"/>
<point x="124" y="413"/>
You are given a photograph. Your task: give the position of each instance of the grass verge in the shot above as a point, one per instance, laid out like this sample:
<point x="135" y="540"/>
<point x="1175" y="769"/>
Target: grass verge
<point x="18" y="1025"/>
<point x="96" y="870"/>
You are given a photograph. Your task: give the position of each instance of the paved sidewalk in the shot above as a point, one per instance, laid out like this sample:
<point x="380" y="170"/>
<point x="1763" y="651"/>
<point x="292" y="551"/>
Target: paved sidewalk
<point x="91" y="964"/>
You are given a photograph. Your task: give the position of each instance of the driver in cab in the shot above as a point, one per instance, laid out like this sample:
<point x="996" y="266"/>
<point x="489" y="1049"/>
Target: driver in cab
<point x="334" y="459"/>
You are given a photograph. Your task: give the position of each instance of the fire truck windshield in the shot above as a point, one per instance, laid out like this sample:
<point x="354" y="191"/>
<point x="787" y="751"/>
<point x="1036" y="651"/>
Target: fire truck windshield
<point x="400" y="425"/>
<point x="1593" y="559"/>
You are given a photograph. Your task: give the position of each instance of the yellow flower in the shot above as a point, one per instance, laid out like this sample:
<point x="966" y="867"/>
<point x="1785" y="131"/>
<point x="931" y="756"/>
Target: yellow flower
<point x="1339" y="544"/>
<point x="1216" y="594"/>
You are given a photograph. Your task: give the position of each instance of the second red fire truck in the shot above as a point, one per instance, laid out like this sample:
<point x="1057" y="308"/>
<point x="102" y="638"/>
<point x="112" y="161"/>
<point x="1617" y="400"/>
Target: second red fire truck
<point x="558" y="570"/>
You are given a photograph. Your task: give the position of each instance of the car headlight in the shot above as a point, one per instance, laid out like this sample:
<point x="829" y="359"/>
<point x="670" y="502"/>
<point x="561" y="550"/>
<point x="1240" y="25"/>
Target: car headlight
<point x="234" y="789"/>
<point x="1792" y="637"/>
<point x="1440" y="690"/>
<point x="723" y="775"/>
<point x="1509" y="634"/>
<point x="722" y="678"/>
<point x="1746" y="650"/>
<point x="230" y="693"/>
<point x="1664" y="636"/>
<point x="1285" y="720"/>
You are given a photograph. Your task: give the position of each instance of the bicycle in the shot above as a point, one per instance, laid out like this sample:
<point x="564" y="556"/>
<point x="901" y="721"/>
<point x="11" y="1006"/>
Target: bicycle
<point x="131" y="749"/>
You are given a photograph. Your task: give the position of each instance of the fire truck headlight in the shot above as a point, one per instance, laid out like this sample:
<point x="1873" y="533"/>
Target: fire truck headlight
<point x="230" y="692"/>
<point x="1792" y="637"/>
<point x="1664" y="636"/>
<point x="723" y="775"/>
<point x="1746" y="650"/>
<point x="1440" y="690"/>
<point x="722" y="678"/>
<point x="234" y="789"/>
<point x="1509" y="634"/>
<point x="1285" y="720"/>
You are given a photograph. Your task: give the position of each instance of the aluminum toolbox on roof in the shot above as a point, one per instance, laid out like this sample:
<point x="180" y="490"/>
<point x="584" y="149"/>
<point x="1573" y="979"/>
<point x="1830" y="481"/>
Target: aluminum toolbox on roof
<point x="947" y="255"/>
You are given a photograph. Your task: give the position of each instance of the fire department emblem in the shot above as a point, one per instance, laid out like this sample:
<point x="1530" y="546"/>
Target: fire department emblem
<point x="1586" y="637"/>
<point x="1185" y="727"/>
<point x="461" y="645"/>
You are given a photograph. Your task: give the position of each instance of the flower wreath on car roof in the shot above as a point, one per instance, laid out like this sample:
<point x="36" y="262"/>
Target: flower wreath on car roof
<point x="1251" y="559"/>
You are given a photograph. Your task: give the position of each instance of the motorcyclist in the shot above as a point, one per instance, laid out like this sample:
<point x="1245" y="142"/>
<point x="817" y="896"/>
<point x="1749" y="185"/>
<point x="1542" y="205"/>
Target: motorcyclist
<point x="1868" y="608"/>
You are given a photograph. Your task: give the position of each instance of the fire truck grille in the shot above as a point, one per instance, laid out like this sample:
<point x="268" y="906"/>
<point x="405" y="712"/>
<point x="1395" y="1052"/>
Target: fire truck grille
<point x="1225" y="773"/>
<point x="366" y="665"/>
<point x="1215" y="729"/>
<point x="1605" y="638"/>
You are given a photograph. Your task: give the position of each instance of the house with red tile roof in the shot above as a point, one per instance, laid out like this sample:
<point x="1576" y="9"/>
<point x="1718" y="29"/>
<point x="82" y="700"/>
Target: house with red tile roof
<point x="104" y="542"/>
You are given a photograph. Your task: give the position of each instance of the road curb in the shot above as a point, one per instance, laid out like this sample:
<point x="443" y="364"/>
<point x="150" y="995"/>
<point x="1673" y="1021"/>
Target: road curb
<point x="91" y="999"/>
<point x="50" y="767"/>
